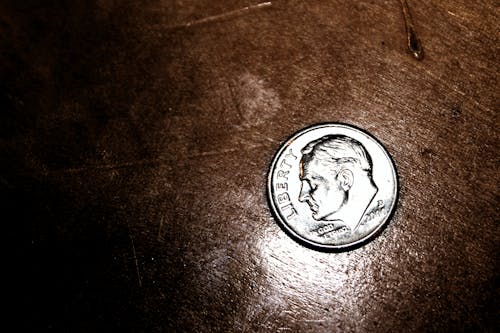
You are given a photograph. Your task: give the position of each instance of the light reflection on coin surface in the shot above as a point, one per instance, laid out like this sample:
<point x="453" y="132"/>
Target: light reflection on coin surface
<point x="332" y="186"/>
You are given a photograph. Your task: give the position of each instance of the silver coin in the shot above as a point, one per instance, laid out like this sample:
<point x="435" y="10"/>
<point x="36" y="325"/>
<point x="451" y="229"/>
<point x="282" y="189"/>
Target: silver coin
<point x="332" y="186"/>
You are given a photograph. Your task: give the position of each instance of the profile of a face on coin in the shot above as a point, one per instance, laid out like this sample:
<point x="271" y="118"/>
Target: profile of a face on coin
<point x="336" y="181"/>
<point x="332" y="186"/>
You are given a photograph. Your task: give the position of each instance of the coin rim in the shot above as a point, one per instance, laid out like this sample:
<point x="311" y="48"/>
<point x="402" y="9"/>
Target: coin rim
<point x="301" y="239"/>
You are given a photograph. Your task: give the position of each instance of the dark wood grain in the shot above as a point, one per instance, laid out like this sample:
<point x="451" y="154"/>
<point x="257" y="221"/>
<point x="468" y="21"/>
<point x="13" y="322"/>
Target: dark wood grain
<point x="136" y="141"/>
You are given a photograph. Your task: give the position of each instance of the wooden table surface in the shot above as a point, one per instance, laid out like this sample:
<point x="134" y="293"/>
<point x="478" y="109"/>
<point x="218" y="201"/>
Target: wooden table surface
<point x="137" y="135"/>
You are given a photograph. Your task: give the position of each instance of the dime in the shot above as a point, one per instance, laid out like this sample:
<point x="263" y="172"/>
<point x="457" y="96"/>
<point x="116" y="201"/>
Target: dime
<point x="332" y="186"/>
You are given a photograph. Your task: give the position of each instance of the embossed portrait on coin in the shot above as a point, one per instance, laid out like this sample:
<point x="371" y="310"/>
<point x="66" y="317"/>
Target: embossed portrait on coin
<point x="336" y="180"/>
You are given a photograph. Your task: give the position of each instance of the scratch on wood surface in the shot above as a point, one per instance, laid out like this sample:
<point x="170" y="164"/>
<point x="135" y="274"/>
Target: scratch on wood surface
<point x="105" y="167"/>
<point x="226" y="15"/>
<point x="124" y="165"/>
<point x="216" y="152"/>
<point x="160" y="236"/>
<point x="136" y="261"/>
<point x="413" y="43"/>
<point x="235" y="100"/>
<point x="457" y="90"/>
<point x="271" y="140"/>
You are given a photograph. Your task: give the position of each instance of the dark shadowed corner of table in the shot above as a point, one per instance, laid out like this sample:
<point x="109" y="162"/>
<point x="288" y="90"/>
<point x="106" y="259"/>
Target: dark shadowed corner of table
<point x="136" y="138"/>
